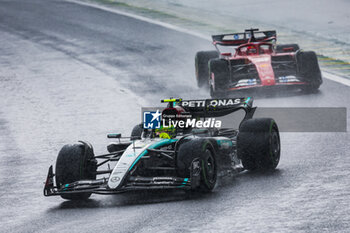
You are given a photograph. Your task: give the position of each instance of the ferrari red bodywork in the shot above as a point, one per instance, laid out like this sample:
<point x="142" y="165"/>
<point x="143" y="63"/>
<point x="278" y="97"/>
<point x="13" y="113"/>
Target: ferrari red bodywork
<point x="252" y="59"/>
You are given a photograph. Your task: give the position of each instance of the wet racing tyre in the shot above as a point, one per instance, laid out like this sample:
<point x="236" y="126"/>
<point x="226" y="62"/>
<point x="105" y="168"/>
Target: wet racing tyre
<point x="280" y="48"/>
<point x="309" y="70"/>
<point x="137" y="131"/>
<point x="75" y="162"/>
<point x="219" y="77"/>
<point x="258" y="144"/>
<point x="202" y="151"/>
<point x="201" y="64"/>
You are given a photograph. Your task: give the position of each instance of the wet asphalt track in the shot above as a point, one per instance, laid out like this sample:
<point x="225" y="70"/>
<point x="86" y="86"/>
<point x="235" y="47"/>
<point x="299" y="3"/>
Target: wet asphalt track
<point x="69" y="72"/>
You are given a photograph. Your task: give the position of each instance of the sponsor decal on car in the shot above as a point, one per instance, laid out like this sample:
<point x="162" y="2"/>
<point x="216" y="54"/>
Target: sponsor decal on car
<point x="156" y="119"/>
<point x="286" y="79"/>
<point x="211" y="103"/>
<point x="224" y="144"/>
<point x="115" y="179"/>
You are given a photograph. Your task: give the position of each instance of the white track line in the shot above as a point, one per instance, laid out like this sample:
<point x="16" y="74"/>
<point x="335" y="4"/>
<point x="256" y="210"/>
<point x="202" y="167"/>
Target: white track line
<point x="142" y="18"/>
<point x="327" y="75"/>
<point x="336" y="78"/>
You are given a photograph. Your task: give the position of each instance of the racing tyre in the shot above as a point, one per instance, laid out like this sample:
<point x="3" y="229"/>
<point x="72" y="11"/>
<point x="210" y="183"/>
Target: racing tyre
<point x="201" y="64"/>
<point x="75" y="162"/>
<point x="258" y="144"/>
<point x="219" y="77"/>
<point x="202" y="151"/>
<point x="309" y="70"/>
<point x="137" y="131"/>
<point x="280" y="48"/>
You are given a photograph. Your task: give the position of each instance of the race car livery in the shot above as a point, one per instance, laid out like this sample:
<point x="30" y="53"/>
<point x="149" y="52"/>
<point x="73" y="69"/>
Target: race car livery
<point x="252" y="60"/>
<point x="169" y="157"/>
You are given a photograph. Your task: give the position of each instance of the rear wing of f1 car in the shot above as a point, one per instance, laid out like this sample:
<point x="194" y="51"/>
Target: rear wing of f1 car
<point x="214" y="107"/>
<point x="250" y="35"/>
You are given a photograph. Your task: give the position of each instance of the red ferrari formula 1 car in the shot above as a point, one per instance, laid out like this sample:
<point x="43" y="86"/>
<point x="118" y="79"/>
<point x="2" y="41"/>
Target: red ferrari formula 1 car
<point x="252" y="59"/>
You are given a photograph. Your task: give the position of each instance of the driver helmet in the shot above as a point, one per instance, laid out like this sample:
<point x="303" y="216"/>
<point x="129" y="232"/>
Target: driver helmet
<point x="166" y="132"/>
<point x="251" y="50"/>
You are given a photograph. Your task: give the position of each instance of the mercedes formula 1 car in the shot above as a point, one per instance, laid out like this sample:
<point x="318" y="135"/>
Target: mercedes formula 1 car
<point x="251" y="59"/>
<point x="188" y="158"/>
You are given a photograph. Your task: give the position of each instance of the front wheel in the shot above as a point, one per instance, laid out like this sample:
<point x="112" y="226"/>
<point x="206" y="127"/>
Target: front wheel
<point x="258" y="144"/>
<point x="198" y="154"/>
<point x="137" y="131"/>
<point x="201" y="65"/>
<point x="75" y="162"/>
<point x="219" y="77"/>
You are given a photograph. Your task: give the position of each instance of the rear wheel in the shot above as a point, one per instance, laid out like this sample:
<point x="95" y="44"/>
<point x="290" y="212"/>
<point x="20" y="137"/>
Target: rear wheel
<point x="75" y="162"/>
<point x="258" y="144"/>
<point x="219" y="75"/>
<point x="202" y="152"/>
<point x="201" y="64"/>
<point x="309" y="70"/>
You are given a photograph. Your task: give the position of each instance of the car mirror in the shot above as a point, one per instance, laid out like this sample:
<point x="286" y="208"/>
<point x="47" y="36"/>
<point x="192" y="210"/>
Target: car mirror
<point x="114" y="135"/>
<point x="226" y="54"/>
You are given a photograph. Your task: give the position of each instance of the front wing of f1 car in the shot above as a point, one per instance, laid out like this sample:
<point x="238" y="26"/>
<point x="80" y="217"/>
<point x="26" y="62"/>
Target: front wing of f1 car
<point x="121" y="178"/>
<point x="100" y="186"/>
